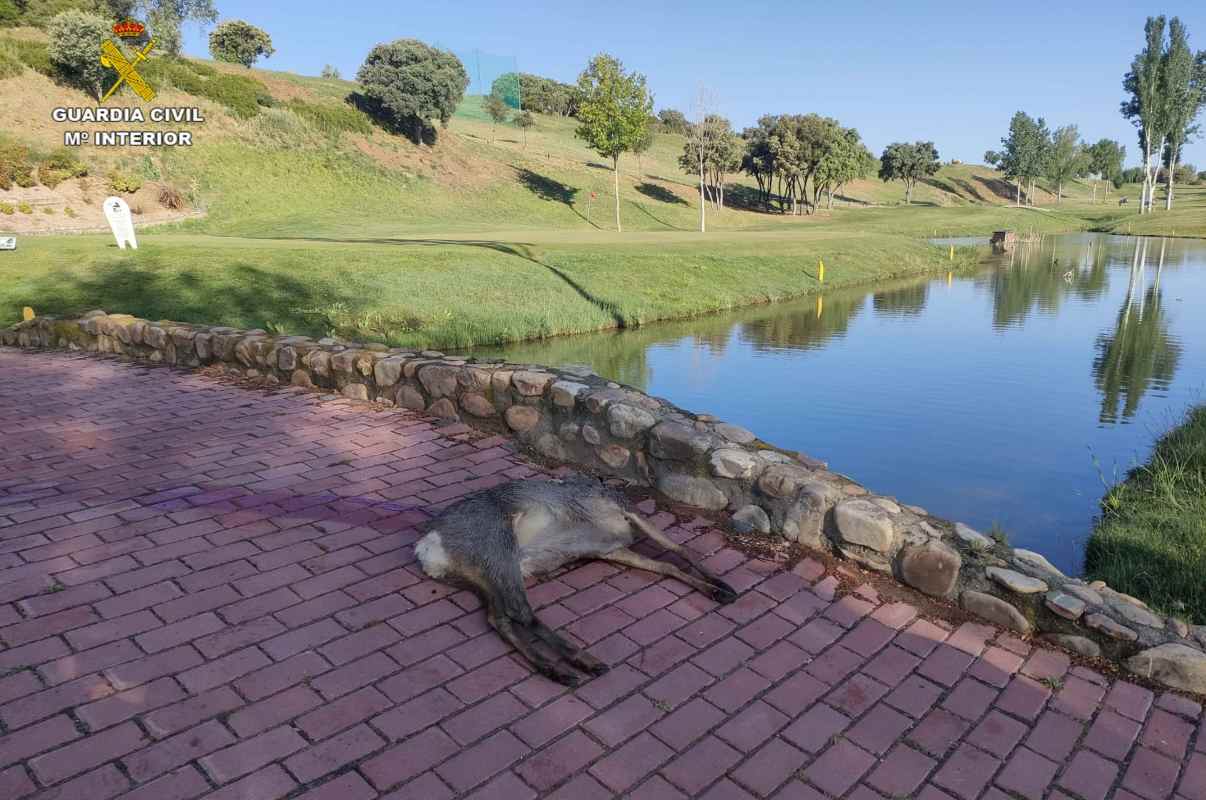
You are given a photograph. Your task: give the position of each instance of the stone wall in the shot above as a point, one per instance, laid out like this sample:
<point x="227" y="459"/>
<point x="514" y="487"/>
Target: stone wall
<point x="582" y="419"/>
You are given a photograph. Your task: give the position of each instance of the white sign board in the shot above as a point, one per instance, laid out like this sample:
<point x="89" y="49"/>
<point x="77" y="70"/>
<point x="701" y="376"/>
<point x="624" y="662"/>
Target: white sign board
<point x="8" y="242"/>
<point x="118" y="214"/>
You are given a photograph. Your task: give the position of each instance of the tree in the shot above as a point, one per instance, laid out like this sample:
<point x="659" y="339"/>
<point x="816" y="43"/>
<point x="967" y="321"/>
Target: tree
<point x="992" y="158"/>
<point x="329" y="72"/>
<point x="525" y="120"/>
<point x="614" y="112"/>
<point x="74" y="48"/>
<point x="407" y="84"/>
<point x="643" y="144"/>
<point x="673" y="121"/>
<point x="536" y="93"/>
<point x="908" y="162"/>
<point x="1105" y="159"/>
<point x="1183" y="82"/>
<point x="712" y="152"/>
<point x="1146" y="106"/>
<point x="1021" y="158"/>
<point x="847" y="160"/>
<point x="1066" y="159"/>
<point x="496" y="107"/>
<point x="237" y="42"/>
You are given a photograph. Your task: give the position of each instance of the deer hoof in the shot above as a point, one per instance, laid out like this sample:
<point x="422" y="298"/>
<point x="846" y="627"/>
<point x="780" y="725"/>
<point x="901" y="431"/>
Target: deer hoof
<point x="723" y="593"/>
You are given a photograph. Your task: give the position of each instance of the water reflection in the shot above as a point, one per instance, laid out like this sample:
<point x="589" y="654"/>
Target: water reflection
<point x="1139" y="353"/>
<point x="984" y="397"/>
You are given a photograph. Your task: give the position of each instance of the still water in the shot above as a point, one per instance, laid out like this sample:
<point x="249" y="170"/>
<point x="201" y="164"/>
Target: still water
<point x="1005" y="396"/>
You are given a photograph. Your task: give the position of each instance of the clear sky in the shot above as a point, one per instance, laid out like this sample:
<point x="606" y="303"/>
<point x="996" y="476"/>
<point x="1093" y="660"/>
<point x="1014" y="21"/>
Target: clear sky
<point x="951" y="72"/>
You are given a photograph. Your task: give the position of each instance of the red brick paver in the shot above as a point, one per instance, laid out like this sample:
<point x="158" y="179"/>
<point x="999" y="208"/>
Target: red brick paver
<point x="208" y="591"/>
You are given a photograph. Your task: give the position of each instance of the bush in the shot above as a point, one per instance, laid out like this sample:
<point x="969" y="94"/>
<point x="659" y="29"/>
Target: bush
<point x="124" y="182"/>
<point x="69" y="211"/>
<point x="25" y="208"/>
<point x="7" y="209"/>
<point x="65" y="159"/>
<point x="75" y="38"/>
<point x="237" y="42"/>
<point x="242" y="95"/>
<point x="48" y="210"/>
<point x="10" y="61"/>
<point x="17" y="164"/>
<point x="332" y="119"/>
<point x="330" y="73"/>
<point x="35" y="55"/>
<point x="407" y="84"/>
<point x="239" y="94"/>
<point x="200" y="67"/>
<point x="170" y="197"/>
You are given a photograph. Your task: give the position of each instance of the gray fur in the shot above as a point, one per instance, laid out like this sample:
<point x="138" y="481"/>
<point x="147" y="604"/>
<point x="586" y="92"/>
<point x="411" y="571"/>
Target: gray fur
<point x="561" y="522"/>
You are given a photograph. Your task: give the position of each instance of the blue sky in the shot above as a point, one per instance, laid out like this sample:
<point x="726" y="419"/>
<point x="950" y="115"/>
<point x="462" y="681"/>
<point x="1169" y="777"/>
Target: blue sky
<point x="945" y="71"/>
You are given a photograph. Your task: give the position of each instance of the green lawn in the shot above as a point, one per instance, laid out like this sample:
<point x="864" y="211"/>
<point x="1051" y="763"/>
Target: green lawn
<point x="1151" y="539"/>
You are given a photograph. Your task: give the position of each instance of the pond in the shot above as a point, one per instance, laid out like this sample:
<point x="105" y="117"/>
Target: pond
<point x="1009" y="395"/>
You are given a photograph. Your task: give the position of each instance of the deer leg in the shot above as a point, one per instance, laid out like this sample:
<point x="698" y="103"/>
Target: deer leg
<point x="575" y="655"/>
<point x="720" y="591"/>
<point x="546" y="666"/>
<point x="717" y="589"/>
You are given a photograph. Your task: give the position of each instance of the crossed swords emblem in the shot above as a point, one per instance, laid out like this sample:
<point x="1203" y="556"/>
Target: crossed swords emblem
<point x="112" y="57"/>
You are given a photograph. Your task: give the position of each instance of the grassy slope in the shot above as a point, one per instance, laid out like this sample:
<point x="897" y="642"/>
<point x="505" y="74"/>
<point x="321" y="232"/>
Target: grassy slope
<point x="480" y="239"/>
<point x="1151" y="540"/>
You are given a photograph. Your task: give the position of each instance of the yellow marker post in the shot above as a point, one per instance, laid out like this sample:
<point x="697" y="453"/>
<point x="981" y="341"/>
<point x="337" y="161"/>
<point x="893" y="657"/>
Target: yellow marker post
<point x="27" y="314"/>
<point x="949" y="277"/>
<point x="821" y="270"/>
<point x="952" y="252"/>
<point x="820" y="305"/>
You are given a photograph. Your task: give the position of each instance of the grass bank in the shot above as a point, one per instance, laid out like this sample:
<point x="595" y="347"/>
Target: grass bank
<point x="1151" y="539"/>
<point x="450" y="292"/>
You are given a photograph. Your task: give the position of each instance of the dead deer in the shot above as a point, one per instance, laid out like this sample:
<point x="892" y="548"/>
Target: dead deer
<point x="494" y="539"/>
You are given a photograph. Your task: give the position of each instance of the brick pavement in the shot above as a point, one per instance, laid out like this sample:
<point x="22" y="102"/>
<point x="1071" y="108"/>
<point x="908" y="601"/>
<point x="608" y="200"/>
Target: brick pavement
<point x="209" y="591"/>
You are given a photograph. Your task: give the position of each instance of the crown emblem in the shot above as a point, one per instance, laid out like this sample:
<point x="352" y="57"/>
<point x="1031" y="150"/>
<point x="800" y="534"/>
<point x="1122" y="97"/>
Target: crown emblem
<point x="129" y="29"/>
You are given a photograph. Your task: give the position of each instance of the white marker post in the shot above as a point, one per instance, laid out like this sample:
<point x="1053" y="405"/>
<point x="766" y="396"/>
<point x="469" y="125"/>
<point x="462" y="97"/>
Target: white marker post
<point x="118" y="214"/>
<point x="8" y="242"/>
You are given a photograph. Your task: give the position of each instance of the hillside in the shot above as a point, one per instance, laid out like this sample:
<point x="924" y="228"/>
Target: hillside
<point x="305" y="217"/>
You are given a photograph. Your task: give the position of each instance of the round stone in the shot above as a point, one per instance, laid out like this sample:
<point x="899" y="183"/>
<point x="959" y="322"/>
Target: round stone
<point x="627" y="421"/>
<point x="1077" y="644"/>
<point x="1065" y="605"/>
<point x="356" y="391"/>
<point x="932" y="568"/>
<point x="478" y="406"/>
<point x="995" y="610"/>
<point x="301" y="378"/>
<point x="733" y="463"/>
<point x="439" y="381"/>
<point x="529" y="383"/>
<point x="443" y="408"/>
<point x="1115" y="630"/>
<point x="693" y="491"/>
<point x="863" y="523"/>
<point x="886" y="504"/>
<point x="388" y="371"/>
<point x="784" y="480"/>
<point x="410" y="397"/>
<point x="522" y="419"/>
<point x="734" y="433"/>
<point x="1174" y="664"/>
<point x="550" y="446"/>
<point x="565" y="393"/>
<point x="751" y="519"/>
<point x="1016" y="581"/>
<point x="614" y="456"/>
<point x="591" y="434"/>
<point x="972" y="537"/>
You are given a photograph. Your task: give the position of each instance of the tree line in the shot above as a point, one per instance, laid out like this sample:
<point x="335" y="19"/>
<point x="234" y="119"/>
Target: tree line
<point x="1166" y="88"/>
<point x="1032" y="150"/>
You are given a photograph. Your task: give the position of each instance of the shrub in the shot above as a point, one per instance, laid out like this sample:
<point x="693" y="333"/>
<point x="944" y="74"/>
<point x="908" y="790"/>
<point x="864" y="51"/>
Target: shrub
<point x="16" y="164"/>
<point x="35" y="55"/>
<point x="237" y="42"/>
<point x="200" y="67"/>
<point x="124" y="182"/>
<point x="170" y="197"/>
<point x="65" y="159"/>
<point x="75" y="38"/>
<point x="25" y="208"/>
<point x="51" y="178"/>
<point x="69" y="211"/>
<point x="332" y="119"/>
<point x="48" y="210"/>
<point x="239" y="94"/>
<point x="7" y="209"/>
<point x="407" y="84"/>
<point x="329" y="72"/>
<point x="10" y="61"/>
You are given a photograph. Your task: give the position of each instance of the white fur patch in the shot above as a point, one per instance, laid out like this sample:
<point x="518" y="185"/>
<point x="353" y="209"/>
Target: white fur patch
<point x="432" y="556"/>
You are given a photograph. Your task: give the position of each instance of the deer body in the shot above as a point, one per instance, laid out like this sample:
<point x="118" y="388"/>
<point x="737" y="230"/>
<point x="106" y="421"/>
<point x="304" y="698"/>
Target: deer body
<point x="493" y="540"/>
